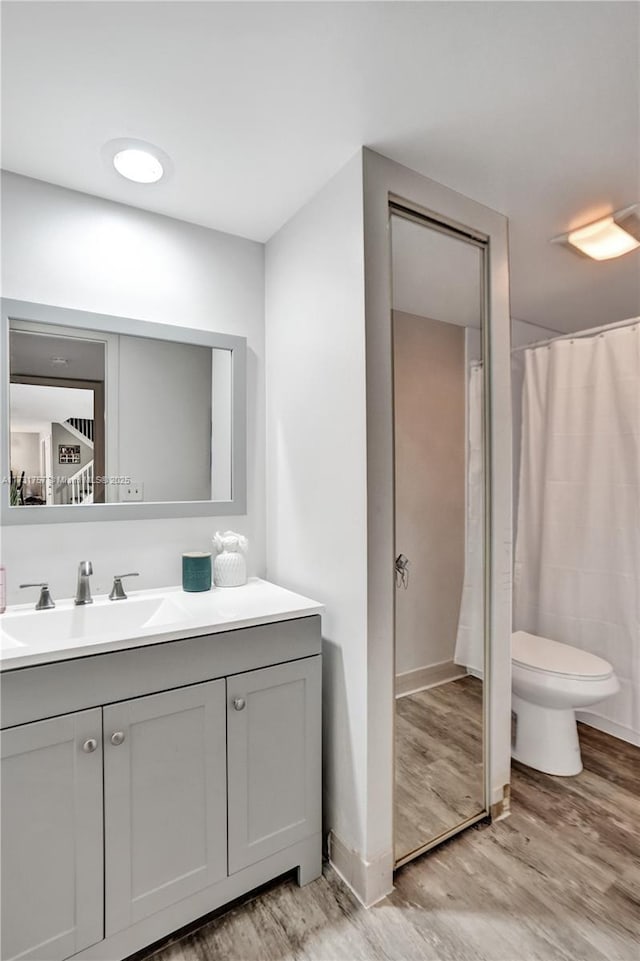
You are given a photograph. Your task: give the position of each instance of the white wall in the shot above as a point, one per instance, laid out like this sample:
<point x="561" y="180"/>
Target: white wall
<point x="522" y="333"/>
<point x="316" y="463"/>
<point x="164" y="418"/>
<point x="74" y="250"/>
<point x="25" y="453"/>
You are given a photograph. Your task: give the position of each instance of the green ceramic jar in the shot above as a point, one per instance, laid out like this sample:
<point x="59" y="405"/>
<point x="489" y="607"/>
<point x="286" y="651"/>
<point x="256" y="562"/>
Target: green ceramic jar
<point x="196" y="571"/>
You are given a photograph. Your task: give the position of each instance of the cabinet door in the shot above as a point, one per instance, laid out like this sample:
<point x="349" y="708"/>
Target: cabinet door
<point x="51" y="797"/>
<point x="274" y="759"/>
<point x="165" y="800"/>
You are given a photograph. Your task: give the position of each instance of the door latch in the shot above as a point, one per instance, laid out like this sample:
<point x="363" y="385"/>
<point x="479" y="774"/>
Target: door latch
<point x="402" y="571"/>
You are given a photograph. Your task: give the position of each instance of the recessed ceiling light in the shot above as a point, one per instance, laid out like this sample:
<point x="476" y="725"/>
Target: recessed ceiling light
<point x="138" y="165"/>
<point x="609" y="237"/>
<point x="136" y="160"/>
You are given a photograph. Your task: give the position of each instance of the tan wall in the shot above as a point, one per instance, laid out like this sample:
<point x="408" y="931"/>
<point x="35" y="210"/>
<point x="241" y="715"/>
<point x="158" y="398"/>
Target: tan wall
<point x="429" y="375"/>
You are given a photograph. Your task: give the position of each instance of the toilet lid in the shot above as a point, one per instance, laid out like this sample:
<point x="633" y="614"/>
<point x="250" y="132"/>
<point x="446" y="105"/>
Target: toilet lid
<point x="543" y="654"/>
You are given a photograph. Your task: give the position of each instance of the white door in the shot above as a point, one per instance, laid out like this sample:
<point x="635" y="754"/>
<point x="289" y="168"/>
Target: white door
<point x="52" y="865"/>
<point x="165" y="800"/>
<point x="274" y="759"/>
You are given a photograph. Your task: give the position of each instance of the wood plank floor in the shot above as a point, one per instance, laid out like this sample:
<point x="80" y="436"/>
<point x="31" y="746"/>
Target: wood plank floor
<point x="438" y="762"/>
<point x="559" y="880"/>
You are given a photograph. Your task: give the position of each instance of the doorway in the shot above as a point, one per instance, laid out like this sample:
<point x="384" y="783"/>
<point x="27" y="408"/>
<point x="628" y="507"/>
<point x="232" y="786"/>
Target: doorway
<point x="65" y="418"/>
<point x="438" y="332"/>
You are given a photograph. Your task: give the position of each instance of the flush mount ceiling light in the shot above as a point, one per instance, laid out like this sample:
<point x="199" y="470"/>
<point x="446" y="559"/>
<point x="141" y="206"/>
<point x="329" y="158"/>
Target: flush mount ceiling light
<point x="135" y="160"/>
<point x="609" y="237"/>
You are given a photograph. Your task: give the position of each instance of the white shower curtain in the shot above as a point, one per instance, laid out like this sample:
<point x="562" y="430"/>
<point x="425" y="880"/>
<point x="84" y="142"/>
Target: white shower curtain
<point x="469" y="650"/>
<point x="577" y="560"/>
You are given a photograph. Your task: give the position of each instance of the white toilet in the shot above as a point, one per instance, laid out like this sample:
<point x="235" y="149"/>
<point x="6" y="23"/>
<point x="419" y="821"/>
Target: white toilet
<point x="549" y="681"/>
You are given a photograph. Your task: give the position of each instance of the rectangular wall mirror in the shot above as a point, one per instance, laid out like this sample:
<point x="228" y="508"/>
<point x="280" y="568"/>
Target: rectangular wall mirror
<point x="438" y="323"/>
<point x="120" y="418"/>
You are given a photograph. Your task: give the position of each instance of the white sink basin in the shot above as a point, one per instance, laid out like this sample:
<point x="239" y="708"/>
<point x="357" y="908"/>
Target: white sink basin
<point x="9" y="643"/>
<point x="29" y="637"/>
<point x="100" y="619"/>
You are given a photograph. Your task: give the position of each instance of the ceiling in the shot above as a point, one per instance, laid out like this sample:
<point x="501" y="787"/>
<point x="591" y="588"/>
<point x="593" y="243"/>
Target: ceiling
<point x="38" y="355"/>
<point x="35" y="408"/>
<point x="530" y="108"/>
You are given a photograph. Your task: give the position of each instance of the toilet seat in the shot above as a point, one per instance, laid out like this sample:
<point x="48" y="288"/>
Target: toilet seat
<point x="541" y="654"/>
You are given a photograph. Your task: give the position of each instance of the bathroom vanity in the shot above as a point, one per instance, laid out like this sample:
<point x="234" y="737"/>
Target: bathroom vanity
<point x="157" y="771"/>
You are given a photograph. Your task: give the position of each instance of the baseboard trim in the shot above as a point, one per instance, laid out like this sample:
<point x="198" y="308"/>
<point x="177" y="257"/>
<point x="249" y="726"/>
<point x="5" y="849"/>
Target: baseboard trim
<point x="609" y="727"/>
<point x="502" y="807"/>
<point x="370" y="881"/>
<point x="422" y="678"/>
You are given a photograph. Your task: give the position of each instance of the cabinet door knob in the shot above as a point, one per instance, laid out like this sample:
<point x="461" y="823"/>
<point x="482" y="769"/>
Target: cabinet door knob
<point x="90" y="745"/>
<point x="117" y="738"/>
<point x="239" y="703"/>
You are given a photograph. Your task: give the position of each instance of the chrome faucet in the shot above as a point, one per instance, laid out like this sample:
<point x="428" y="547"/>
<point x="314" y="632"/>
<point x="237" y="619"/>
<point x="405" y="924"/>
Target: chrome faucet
<point x="83" y="591"/>
<point x="117" y="591"/>
<point x="45" y="602"/>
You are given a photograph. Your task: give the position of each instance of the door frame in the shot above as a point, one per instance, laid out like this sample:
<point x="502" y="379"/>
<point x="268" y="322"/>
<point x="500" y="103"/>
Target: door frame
<point x="385" y="179"/>
<point x="97" y="387"/>
<point x="443" y="225"/>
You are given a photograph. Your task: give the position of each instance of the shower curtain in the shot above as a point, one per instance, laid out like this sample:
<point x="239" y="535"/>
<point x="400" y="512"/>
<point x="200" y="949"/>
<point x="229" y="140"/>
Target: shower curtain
<point x="577" y="559"/>
<point x="469" y="650"/>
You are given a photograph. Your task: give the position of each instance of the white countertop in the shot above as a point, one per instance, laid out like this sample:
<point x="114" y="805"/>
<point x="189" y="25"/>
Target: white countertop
<point x="29" y="637"/>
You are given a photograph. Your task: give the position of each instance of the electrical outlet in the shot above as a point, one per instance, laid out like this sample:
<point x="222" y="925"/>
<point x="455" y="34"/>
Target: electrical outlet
<point x="132" y="492"/>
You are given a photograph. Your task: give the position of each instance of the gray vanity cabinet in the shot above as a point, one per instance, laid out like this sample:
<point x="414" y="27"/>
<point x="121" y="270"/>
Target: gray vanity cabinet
<point x="165" y="800"/>
<point x="52" y="868"/>
<point x="144" y="788"/>
<point x="273" y="751"/>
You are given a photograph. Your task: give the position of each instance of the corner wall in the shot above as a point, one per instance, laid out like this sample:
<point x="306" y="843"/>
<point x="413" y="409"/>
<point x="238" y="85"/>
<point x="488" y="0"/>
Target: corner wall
<point x="316" y="466"/>
<point x="74" y="250"/>
<point x="330" y="484"/>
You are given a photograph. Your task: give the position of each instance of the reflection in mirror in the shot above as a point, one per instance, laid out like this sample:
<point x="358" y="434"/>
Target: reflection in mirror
<point x="107" y="418"/>
<point x="439" y="523"/>
<point x="53" y="420"/>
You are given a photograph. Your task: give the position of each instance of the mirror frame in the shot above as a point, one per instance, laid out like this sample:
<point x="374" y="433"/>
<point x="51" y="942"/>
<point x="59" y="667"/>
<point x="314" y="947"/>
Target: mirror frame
<point x="88" y="320"/>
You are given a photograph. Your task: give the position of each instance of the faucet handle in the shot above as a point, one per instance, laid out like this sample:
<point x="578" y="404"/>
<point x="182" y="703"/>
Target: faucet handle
<point x="117" y="591"/>
<point x="45" y="601"/>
